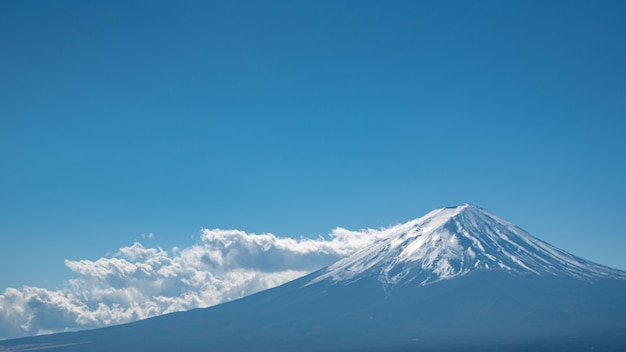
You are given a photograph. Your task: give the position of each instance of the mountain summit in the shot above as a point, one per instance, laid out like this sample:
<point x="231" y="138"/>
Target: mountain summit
<point x="456" y="279"/>
<point x="453" y="241"/>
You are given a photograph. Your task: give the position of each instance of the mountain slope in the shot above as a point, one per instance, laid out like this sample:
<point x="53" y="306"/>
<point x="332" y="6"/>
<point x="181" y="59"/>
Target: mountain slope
<point x="457" y="279"/>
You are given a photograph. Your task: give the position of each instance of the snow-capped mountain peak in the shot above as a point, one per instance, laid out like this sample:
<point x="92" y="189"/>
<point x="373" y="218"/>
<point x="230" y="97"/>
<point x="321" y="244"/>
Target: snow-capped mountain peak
<point x="455" y="279"/>
<point x="453" y="241"/>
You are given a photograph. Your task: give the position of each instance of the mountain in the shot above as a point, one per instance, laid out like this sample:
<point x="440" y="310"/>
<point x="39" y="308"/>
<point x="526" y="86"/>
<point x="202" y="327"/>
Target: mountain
<point x="456" y="279"/>
<point x="454" y="241"/>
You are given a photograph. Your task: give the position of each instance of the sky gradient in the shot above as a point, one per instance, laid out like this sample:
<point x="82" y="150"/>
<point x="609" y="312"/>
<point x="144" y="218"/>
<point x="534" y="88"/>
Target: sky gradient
<point x="151" y="120"/>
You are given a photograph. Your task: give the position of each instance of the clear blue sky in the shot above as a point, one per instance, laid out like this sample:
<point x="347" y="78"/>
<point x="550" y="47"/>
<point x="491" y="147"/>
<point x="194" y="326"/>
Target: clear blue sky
<point x="122" y="118"/>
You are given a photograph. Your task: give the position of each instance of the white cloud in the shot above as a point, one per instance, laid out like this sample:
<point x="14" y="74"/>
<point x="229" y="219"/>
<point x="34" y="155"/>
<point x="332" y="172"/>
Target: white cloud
<point x="147" y="235"/>
<point x="139" y="282"/>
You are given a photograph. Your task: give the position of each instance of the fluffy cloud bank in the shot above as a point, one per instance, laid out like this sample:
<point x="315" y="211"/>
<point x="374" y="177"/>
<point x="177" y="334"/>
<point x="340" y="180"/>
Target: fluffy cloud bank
<point x="139" y="282"/>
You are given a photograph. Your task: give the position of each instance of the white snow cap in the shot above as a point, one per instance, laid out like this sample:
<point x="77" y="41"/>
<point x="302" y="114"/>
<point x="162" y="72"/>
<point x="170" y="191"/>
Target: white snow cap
<point x="453" y="241"/>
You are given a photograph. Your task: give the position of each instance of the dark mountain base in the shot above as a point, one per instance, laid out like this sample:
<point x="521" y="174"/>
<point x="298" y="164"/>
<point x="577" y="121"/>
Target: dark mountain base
<point x="482" y="311"/>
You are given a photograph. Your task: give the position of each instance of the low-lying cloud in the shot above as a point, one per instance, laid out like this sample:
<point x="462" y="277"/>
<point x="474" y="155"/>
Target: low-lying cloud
<point x="139" y="282"/>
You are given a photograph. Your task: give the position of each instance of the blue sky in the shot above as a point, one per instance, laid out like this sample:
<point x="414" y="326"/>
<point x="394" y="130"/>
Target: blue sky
<point x="120" y="119"/>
